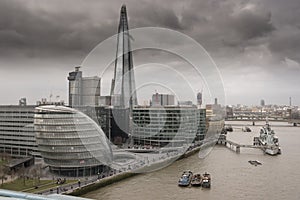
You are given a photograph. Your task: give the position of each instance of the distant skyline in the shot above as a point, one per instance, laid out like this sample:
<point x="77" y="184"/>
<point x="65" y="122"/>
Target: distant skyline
<point x="255" y="43"/>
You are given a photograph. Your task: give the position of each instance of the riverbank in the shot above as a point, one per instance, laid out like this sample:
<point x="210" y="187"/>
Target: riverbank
<point x="123" y="175"/>
<point x="100" y="183"/>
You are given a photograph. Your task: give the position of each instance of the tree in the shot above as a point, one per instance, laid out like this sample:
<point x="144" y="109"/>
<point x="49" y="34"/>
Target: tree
<point x="35" y="171"/>
<point x="22" y="173"/>
<point x="3" y="172"/>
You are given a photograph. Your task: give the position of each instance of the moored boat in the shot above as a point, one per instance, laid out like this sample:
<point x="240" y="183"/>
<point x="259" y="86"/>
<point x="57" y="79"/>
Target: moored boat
<point x="196" y="180"/>
<point x="206" y="182"/>
<point x="268" y="140"/>
<point x="185" y="178"/>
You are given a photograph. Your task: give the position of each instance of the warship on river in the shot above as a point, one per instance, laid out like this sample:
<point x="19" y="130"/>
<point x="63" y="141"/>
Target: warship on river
<point x="268" y="140"/>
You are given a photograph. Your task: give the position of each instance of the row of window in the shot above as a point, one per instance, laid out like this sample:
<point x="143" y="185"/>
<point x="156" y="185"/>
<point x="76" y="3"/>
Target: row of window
<point x="13" y="138"/>
<point x="29" y="130"/>
<point x="70" y="149"/>
<point x="75" y="163"/>
<point x="68" y="141"/>
<point x="59" y="116"/>
<point x="59" y="129"/>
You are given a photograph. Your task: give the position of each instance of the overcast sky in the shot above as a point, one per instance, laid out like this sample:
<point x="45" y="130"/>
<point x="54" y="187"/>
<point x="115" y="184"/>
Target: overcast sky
<point x="255" y="44"/>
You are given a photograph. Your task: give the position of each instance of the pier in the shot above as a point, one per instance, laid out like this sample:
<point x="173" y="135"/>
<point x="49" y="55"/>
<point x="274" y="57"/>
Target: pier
<point x="237" y="147"/>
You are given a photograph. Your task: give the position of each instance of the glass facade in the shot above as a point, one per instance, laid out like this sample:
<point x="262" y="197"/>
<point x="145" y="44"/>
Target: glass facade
<point x="172" y="126"/>
<point x="83" y="90"/>
<point x="17" y="137"/>
<point x="123" y="86"/>
<point x="70" y="142"/>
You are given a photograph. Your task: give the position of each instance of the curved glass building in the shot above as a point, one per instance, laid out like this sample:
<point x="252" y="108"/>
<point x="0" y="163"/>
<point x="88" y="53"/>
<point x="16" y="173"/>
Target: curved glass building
<point x="70" y="142"/>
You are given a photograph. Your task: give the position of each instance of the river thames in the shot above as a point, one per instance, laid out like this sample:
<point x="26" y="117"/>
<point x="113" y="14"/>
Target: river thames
<point x="232" y="176"/>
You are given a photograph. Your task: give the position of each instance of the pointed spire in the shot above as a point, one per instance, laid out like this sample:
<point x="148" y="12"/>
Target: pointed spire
<point x="123" y="85"/>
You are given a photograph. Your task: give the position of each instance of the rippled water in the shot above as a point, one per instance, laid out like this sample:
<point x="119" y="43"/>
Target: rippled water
<point x="232" y="176"/>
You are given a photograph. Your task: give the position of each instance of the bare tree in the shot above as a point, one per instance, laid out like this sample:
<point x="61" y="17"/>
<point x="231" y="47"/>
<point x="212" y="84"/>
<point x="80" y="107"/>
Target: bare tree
<point x="35" y="171"/>
<point x="4" y="169"/>
<point x="23" y="173"/>
<point x="3" y="173"/>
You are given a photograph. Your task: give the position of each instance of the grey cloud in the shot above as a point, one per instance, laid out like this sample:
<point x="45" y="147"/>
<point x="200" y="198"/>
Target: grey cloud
<point x="250" y="25"/>
<point x="158" y="15"/>
<point x="50" y="30"/>
<point x="286" y="43"/>
<point x="237" y="33"/>
<point x="55" y="27"/>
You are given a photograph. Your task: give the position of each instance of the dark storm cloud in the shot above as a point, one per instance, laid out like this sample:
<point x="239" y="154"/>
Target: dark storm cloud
<point x="286" y="43"/>
<point x="250" y="25"/>
<point x="50" y="27"/>
<point x="60" y="27"/>
<point x="157" y="15"/>
<point x="238" y="34"/>
<point x="227" y="26"/>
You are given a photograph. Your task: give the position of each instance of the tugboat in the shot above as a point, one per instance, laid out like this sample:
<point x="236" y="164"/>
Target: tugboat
<point x="196" y="180"/>
<point x="185" y="179"/>
<point x="268" y="140"/>
<point x="206" y="182"/>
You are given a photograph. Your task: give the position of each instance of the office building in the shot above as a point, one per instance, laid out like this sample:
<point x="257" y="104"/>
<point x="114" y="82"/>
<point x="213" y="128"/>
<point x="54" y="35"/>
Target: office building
<point x="201" y="130"/>
<point x="169" y="125"/>
<point x="104" y="101"/>
<point x="199" y="99"/>
<point x="83" y="90"/>
<point x="163" y="99"/>
<point x="262" y="103"/>
<point x="185" y="103"/>
<point x="17" y="137"/>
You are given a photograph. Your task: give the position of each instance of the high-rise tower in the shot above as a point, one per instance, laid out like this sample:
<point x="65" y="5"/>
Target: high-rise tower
<point x="83" y="91"/>
<point x="123" y="85"/>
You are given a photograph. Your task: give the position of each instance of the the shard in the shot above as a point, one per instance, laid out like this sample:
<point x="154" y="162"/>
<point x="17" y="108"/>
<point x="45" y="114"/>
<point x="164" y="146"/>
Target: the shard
<point x="123" y="85"/>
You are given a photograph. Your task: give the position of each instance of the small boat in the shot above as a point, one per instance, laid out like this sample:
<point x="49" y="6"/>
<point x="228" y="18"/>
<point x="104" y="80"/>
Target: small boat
<point x="206" y="182"/>
<point x="246" y="129"/>
<point x="254" y="162"/>
<point x="185" y="178"/>
<point x="229" y="128"/>
<point x="196" y="180"/>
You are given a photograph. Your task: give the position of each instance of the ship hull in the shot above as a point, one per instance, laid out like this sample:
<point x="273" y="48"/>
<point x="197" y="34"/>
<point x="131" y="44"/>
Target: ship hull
<point x="272" y="151"/>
